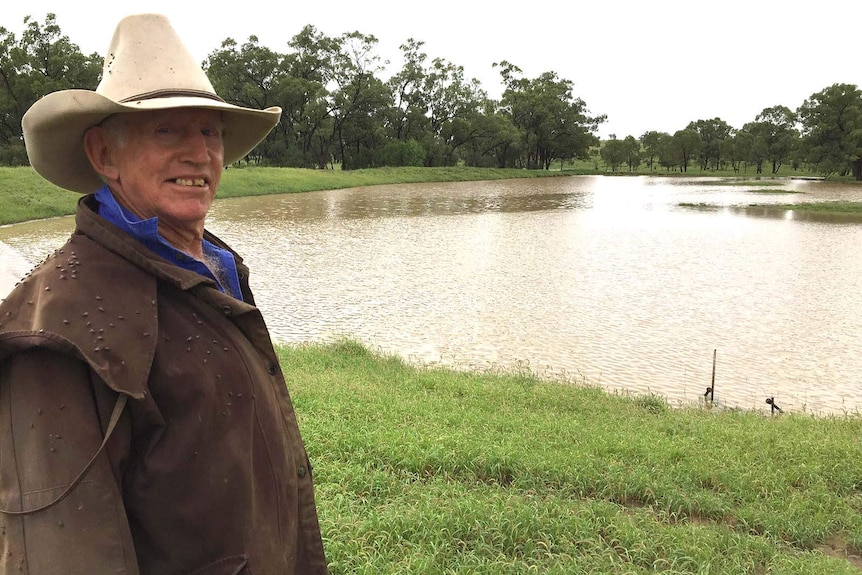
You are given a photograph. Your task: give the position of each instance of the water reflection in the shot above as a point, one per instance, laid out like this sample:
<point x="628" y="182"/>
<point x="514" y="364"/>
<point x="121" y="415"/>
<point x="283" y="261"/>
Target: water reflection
<point x="416" y="201"/>
<point x="596" y="279"/>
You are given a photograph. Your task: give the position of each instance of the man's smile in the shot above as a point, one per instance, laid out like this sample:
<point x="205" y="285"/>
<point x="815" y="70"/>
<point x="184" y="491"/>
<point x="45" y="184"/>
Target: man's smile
<point x="198" y="182"/>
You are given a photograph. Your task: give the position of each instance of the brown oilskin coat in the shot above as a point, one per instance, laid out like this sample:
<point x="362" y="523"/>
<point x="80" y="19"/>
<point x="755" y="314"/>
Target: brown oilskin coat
<point x="206" y="471"/>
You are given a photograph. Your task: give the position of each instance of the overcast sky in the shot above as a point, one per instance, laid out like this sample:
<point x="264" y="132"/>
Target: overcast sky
<point x="647" y="65"/>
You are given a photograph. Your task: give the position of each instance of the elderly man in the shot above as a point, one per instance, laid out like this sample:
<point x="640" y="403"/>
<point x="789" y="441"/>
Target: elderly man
<point x="146" y="425"/>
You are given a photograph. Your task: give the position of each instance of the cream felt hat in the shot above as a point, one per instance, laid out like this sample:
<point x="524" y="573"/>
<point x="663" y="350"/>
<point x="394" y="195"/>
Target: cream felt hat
<point x="146" y="67"/>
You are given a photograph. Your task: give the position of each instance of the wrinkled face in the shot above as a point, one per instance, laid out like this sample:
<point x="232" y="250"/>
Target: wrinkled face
<point x="166" y="163"/>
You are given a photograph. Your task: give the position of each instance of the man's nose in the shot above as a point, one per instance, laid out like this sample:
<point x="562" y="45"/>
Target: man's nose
<point x="196" y="148"/>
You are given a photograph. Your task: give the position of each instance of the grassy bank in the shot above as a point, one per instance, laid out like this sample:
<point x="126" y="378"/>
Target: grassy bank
<point x="434" y="471"/>
<point x="24" y="195"/>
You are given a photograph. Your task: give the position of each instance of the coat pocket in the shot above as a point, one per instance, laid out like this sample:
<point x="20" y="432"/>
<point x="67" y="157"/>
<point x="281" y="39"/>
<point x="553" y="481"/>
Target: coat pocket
<point x="233" y="565"/>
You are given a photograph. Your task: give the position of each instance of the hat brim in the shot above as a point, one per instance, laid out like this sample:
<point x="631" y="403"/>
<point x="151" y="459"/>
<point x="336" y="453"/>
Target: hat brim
<point x="54" y="131"/>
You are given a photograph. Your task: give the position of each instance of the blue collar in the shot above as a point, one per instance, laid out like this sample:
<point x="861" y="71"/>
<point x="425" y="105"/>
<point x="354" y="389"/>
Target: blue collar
<point x="147" y="232"/>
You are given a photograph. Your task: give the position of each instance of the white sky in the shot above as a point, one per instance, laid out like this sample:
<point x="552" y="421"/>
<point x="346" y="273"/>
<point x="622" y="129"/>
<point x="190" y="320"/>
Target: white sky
<point x="647" y="65"/>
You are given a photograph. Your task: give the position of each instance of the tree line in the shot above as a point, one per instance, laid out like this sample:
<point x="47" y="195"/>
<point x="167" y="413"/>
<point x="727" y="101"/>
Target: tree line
<point x="824" y="134"/>
<point x="339" y="111"/>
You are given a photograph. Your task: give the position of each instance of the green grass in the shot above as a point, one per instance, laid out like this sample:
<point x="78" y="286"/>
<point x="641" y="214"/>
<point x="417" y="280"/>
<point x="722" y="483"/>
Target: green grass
<point x="818" y="207"/>
<point x="25" y="195"/>
<point x="746" y="182"/>
<point x="422" y="470"/>
<point x="774" y="192"/>
<point x="850" y="209"/>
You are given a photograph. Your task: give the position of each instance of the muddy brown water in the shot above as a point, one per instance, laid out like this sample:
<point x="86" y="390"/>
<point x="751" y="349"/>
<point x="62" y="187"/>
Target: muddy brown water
<point x="602" y="280"/>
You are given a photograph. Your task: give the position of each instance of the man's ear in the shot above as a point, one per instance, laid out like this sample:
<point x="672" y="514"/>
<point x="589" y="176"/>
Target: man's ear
<point x="99" y="148"/>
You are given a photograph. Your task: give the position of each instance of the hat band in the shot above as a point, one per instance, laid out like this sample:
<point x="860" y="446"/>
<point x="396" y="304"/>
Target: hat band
<point x="172" y="94"/>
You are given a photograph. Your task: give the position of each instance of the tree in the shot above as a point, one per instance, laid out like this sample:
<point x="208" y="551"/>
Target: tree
<point x="399" y="153"/>
<point x="738" y="148"/>
<point x="613" y="153"/>
<point x="711" y="133"/>
<point x="250" y="76"/>
<point x="632" y="150"/>
<point x="489" y="140"/>
<point x="774" y="136"/>
<point x="434" y="104"/>
<point x="359" y="102"/>
<point x="832" y="130"/>
<point x="305" y="97"/>
<point x="755" y="145"/>
<point x="651" y="142"/>
<point x="41" y="62"/>
<point x="686" y="144"/>
<point x="668" y="158"/>
<point x="409" y="117"/>
<point x="452" y="102"/>
<point x="553" y="123"/>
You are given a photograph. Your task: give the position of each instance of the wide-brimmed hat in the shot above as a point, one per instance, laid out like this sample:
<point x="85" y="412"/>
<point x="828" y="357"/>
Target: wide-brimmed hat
<point x="147" y="67"/>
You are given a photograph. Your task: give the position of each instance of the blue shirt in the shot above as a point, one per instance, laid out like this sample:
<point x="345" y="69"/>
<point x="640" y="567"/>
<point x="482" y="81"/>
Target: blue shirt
<point x="147" y="232"/>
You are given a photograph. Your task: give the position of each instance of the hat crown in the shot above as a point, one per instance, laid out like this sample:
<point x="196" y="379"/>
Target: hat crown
<point x="147" y="59"/>
<point x="146" y="68"/>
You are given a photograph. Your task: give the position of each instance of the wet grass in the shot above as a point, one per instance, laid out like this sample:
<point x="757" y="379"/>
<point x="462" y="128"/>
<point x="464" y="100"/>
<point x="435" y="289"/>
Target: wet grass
<point x="774" y="192"/>
<point x="747" y="183"/>
<point x="819" y="208"/>
<point x="25" y="195"/>
<point x="426" y="470"/>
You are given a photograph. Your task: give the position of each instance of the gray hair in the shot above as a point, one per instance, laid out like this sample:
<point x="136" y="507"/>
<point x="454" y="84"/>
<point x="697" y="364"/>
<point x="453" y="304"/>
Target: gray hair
<point x="117" y="129"/>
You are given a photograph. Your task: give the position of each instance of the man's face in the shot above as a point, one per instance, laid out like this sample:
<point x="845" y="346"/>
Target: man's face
<point x="168" y="163"/>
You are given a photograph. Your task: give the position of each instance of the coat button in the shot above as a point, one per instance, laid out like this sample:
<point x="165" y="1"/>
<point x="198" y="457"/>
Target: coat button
<point x="301" y="471"/>
<point x="272" y="369"/>
<point x="227" y="311"/>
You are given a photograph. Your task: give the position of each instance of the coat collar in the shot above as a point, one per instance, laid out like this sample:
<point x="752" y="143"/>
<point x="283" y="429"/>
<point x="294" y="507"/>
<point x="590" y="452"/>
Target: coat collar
<point x="87" y="300"/>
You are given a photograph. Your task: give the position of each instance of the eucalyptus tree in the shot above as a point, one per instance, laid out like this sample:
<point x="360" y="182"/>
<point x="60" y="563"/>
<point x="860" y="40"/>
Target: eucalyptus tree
<point x="332" y="102"/>
<point x="305" y="96"/>
<point x="668" y="158"/>
<point x="433" y="104"/>
<point x="553" y="123"/>
<point x="686" y="145"/>
<point x="41" y="61"/>
<point x="632" y="149"/>
<point x="251" y="75"/>
<point x="489" y="140"/>
<point x="359" y="102"/>
<point x="453" y="101"/>
<point x="651" y="142"/>
<point x="409" y="117"/>
<point x="832" y="130"/>
<point x="616" y="152"/>
<point x="711" y="133"/>
<point x="755" y="142"/>
<point x="738" y="149"/>
<point x="774" y="137"/>
<point x="613" y="152"/>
